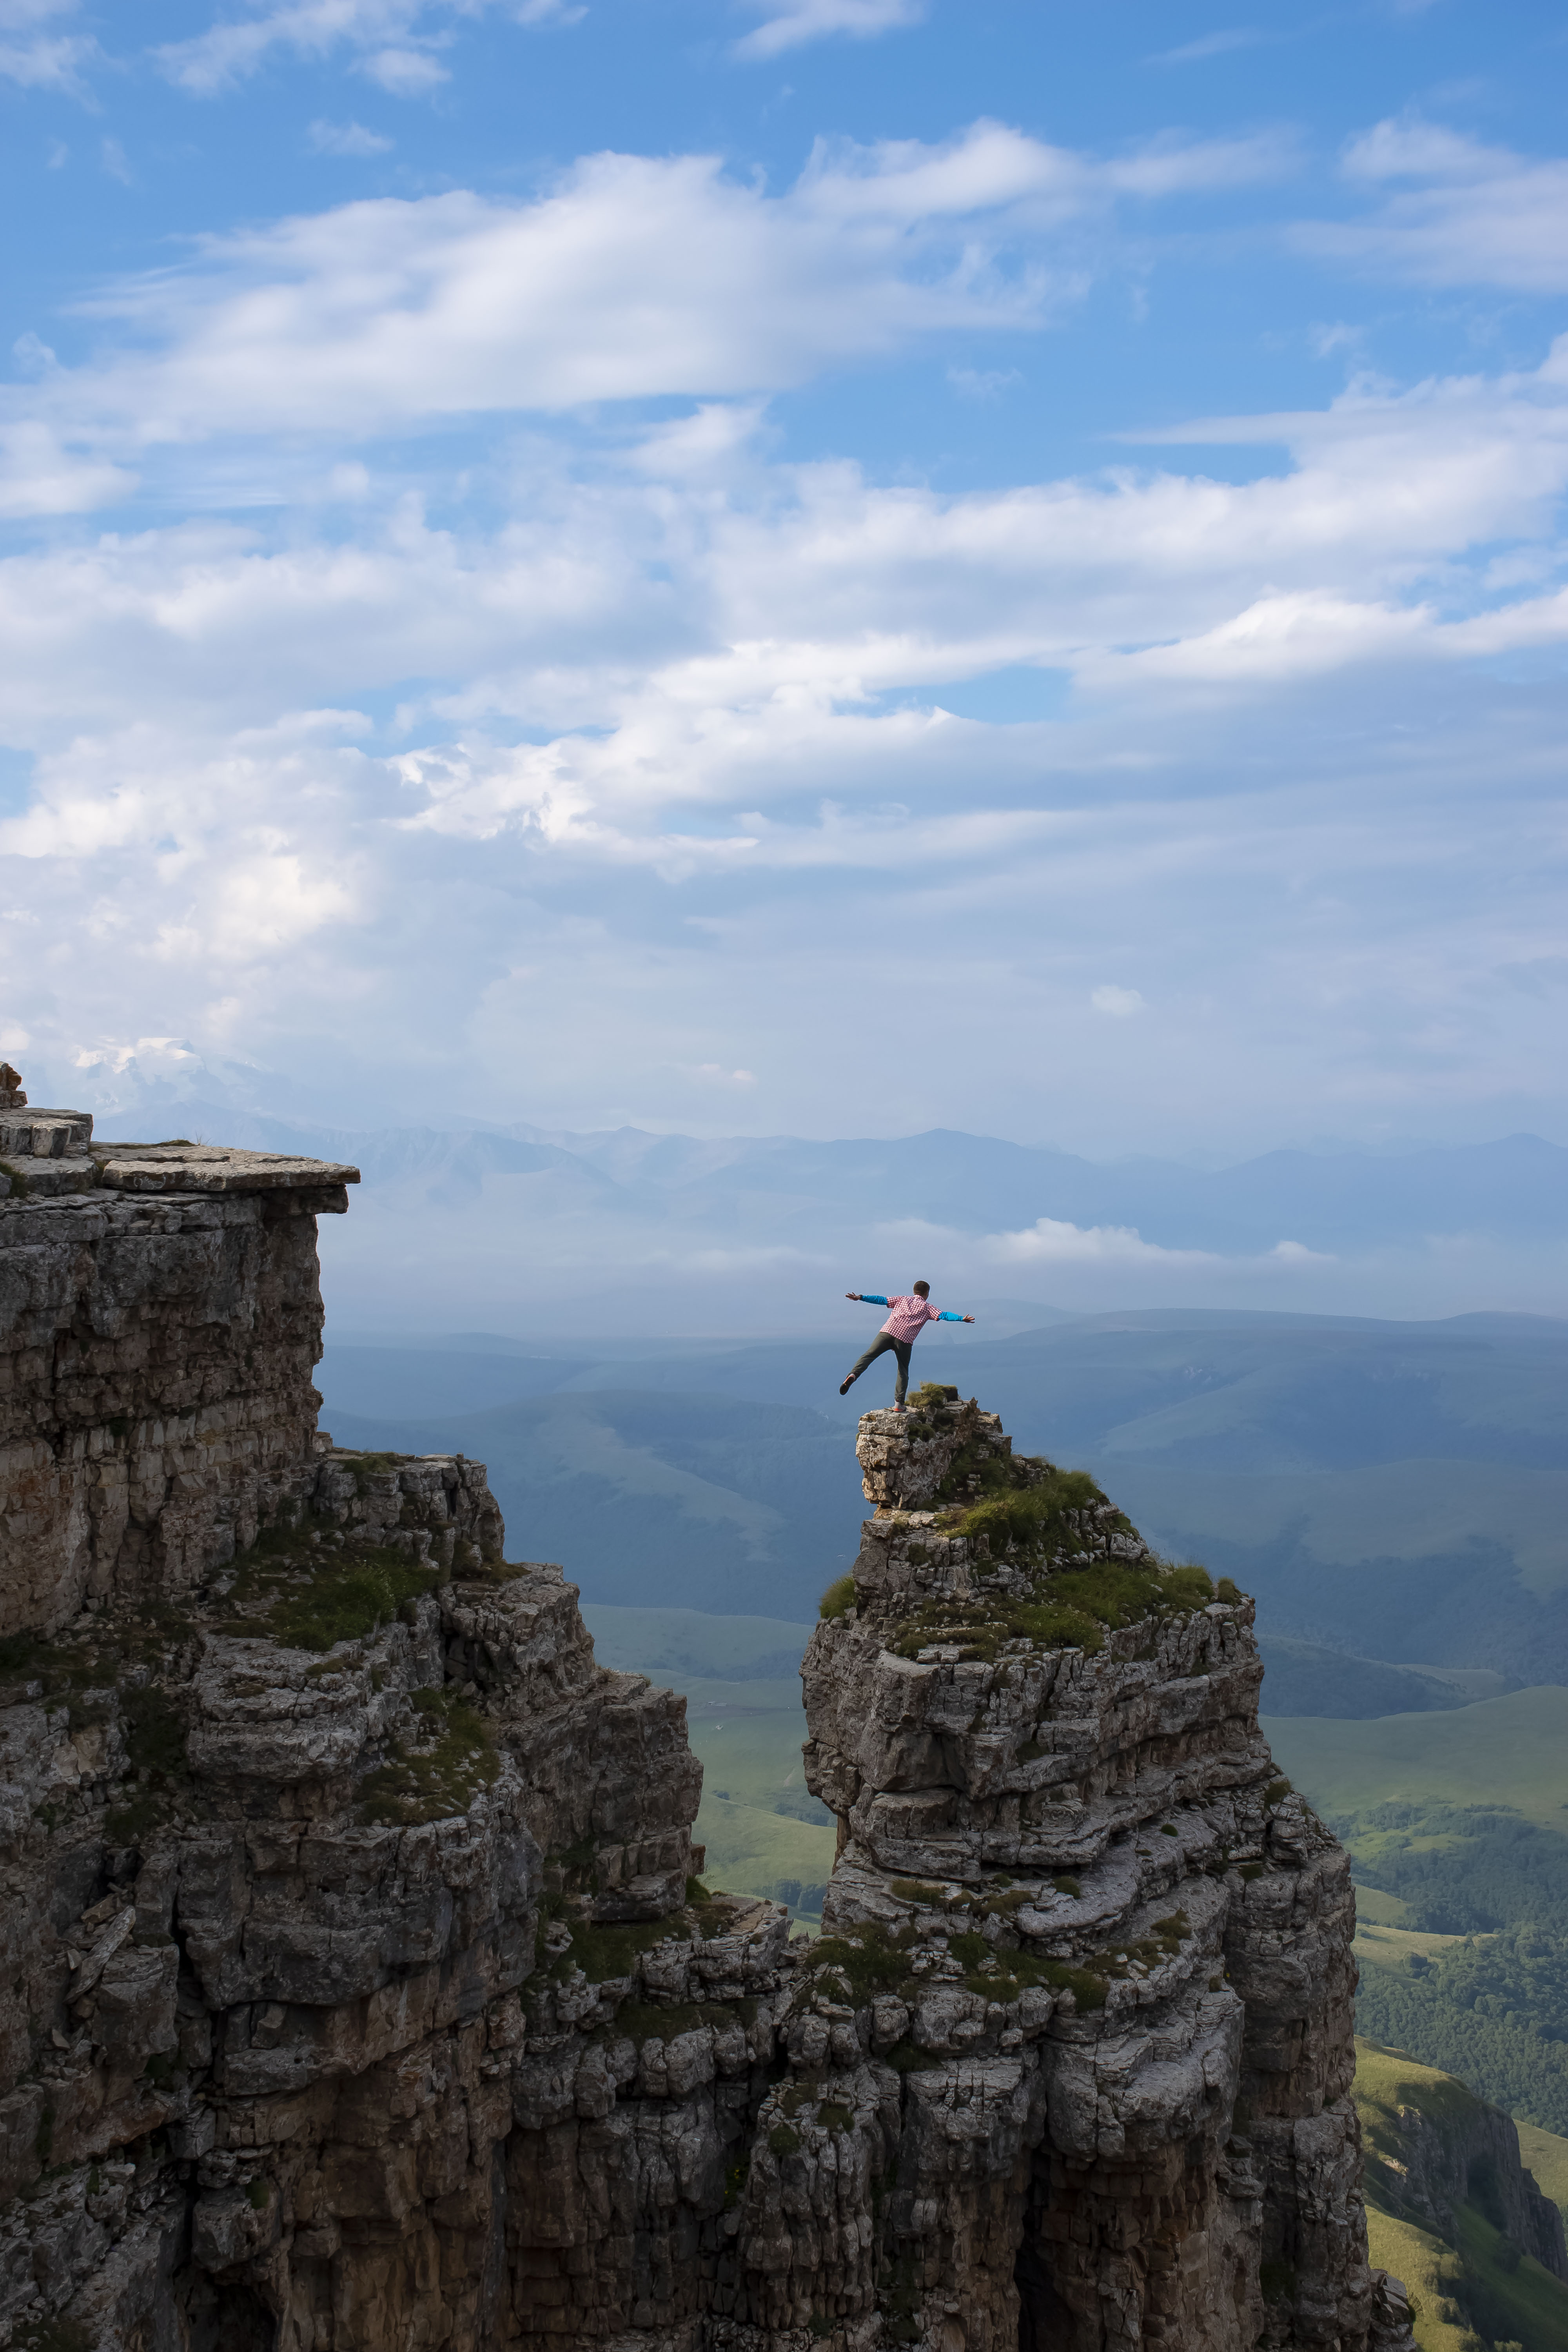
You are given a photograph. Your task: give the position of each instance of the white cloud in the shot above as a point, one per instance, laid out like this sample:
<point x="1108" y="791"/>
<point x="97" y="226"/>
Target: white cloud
<point x="1485" y="216"/>
<point x="705" y="443"/>
<point x="37" y="58"/>
<point x="404" y="72"/>
<point x="632" y="278"/>
<point x="1051" y="1241"/>
<point x="635" y="277"/>
<point x="1411" y="149"/>
<point x="39" y="475"/>
<point x="1308" y="634"/>
<point x="390" y="40"/>
<point x="154" y="1057"/>
<point x="812" y="20"/>
<point x="670" y="782"/>
<point x="983" y="383"/>
<point x="1208" y="45"/>
<point x="347" y="138"/>
<point x="229" y="52"/>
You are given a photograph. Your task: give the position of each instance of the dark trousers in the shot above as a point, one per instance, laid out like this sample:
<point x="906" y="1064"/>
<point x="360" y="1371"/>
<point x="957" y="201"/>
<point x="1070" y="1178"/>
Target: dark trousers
<point x="880" y="1345"/>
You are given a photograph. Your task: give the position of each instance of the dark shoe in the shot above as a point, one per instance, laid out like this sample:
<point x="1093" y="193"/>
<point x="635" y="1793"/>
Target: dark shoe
<point x="845" y="1386"/>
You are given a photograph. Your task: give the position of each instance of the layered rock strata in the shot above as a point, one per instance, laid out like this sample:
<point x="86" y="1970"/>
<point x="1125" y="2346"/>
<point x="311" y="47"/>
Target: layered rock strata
<point x="362" y="1992"/>
<point x="1129" y="1986"/>
<point x="160" y="1316"/>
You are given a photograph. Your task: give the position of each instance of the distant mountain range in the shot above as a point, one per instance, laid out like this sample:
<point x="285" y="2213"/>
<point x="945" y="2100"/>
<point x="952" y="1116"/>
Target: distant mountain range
<point x="628" y="1232"/>
<point x="1515" y="1188"/>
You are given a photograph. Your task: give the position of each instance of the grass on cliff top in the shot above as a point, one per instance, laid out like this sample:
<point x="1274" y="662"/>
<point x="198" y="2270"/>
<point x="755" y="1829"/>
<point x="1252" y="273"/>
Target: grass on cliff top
<point x="1072" y="1610"/>
<point x="307" y="1596"/>
<point x="437" y="1776"/>
<point x="1028" y="1515"/>
<point x="610" y="1950"/>
<point x="82" y="1664"/>
<point x="101" y="1673"/>
<point x="870" y="1960"/>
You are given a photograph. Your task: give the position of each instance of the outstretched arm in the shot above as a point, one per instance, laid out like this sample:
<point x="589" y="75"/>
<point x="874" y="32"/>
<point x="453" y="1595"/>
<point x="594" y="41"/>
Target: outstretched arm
<point x="946" y="1318"/>
<point x="870" y="1297"/>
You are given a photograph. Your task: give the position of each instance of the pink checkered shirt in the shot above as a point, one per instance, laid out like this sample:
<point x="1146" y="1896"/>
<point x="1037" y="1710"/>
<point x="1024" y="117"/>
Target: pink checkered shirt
<point x="907" y="1317"/>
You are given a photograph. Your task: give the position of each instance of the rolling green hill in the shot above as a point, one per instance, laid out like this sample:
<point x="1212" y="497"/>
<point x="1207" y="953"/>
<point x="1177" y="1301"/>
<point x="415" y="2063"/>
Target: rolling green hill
<point x="1510" y="1751"/>
<point x="1456" y="1825"/>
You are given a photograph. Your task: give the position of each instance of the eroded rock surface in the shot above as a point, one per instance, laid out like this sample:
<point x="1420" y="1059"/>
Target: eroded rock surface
<point x="364" y="1992"/>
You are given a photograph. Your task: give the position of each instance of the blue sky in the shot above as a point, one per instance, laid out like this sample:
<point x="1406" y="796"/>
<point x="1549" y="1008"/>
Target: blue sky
<point x="828" y="566"/>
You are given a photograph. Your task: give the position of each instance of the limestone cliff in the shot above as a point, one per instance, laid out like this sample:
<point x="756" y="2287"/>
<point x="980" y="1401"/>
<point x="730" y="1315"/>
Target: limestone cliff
<point x="362" y="1990"/>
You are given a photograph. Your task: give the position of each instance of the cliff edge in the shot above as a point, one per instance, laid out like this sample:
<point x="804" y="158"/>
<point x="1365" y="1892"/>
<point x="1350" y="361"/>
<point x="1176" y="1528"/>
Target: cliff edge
<point x="363" y="1989"/>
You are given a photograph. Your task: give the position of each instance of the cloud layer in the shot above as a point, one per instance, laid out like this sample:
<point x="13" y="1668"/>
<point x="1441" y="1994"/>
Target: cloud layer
<point x="460" y="687"/>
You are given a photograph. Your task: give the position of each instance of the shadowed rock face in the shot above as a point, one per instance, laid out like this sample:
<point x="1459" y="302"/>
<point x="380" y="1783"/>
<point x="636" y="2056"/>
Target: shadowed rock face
<point x="363" y="1994"/>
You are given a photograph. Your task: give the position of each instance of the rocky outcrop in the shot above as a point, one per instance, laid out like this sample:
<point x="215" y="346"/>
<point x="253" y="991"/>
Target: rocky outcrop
<point x="160" y="1316"/>
<point x="364" y="1988"/>
<point x="1125" y="1941"/>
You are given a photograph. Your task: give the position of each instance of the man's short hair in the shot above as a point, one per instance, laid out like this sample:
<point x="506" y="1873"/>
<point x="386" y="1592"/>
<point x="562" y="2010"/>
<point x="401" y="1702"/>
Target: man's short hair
<point x="923" y="1290"/>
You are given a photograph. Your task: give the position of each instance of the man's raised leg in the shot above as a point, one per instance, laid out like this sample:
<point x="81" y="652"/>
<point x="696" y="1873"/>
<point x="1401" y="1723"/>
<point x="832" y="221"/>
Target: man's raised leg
<point x="878" y="1347"/>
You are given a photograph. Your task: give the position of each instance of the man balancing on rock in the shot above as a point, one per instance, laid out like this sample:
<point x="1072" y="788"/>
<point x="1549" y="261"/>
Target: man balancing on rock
<point x="907" y="1319"/>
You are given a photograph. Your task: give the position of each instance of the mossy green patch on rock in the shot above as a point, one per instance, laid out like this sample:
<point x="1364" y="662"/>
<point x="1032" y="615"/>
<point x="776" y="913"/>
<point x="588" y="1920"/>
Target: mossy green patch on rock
<point x="471" y="1567"/>
<point x="1033" y="1512"/>
<point x="437" y="1776"/>
<point x="306" y="1596"/>
<point x="868" y="1958"/>
<point x="981" y="1629"/>
<point x="932" y="1396"/>
<point x="89" y="1667"/>
<point x="1071" y="1610"/>
<point x="838" y="1598"/>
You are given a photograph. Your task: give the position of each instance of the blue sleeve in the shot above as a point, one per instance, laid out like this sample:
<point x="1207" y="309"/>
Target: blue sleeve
<point x="945" y="1317"/>
<point x="873" y="1299"/>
